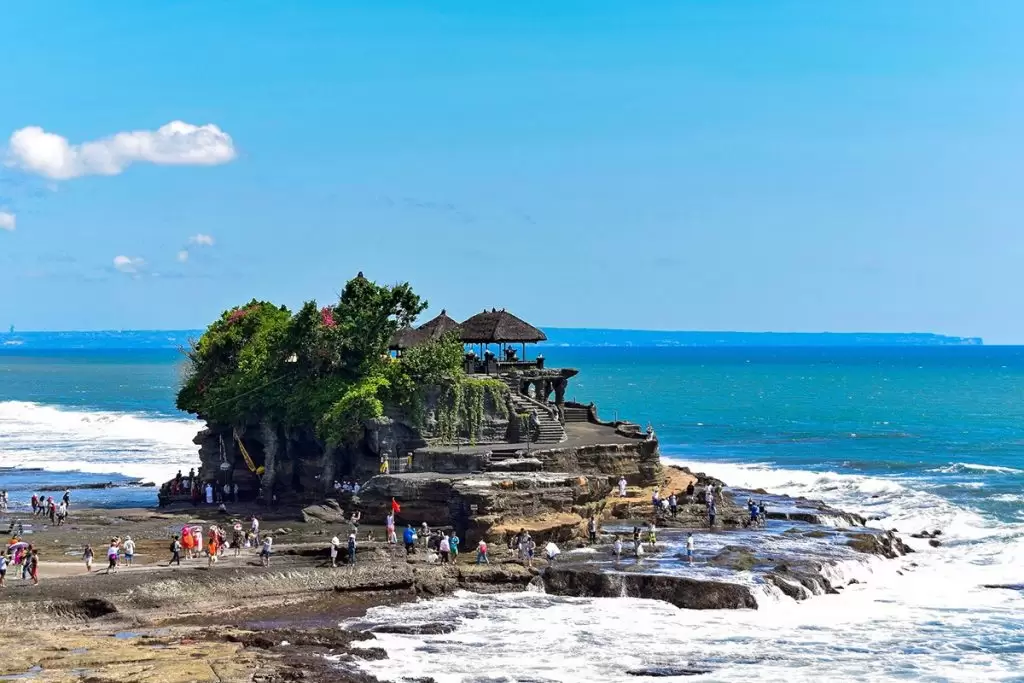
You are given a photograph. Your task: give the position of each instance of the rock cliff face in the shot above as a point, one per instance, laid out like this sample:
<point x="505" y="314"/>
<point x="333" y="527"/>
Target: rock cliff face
<point x="637" y="461"/>
<point x="476" y="504"/>
<point x="680" y="591"/>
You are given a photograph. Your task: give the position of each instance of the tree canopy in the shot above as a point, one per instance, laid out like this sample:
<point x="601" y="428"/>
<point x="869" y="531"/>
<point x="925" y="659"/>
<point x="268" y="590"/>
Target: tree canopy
<point x="322" y="367"/>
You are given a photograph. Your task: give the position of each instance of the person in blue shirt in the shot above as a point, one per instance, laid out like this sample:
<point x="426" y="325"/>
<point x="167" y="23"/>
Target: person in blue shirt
<point x="352" y="548"/>
<point x="453" y="543"/>
<point x="409" y="537"/>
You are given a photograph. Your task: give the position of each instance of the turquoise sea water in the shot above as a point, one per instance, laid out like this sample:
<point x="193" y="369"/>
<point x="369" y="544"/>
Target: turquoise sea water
<point x="913" y="437"/>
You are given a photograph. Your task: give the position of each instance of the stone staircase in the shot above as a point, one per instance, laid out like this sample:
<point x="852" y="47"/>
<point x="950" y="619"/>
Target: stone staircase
<point x="551" y="430"/>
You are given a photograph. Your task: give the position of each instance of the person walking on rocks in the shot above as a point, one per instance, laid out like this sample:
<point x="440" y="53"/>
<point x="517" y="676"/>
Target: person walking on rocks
<point x="112" y="556"/>
<point x="652" y="535"/>
<point x="66" y="499"/>
<point x="255" y="529"/>
<point x="33" y="567"/>
<point x="425" y="533"/>
<point x="175" y="552"/>
<point x="622" y="487"/>
<point x="352" y="548"/>
<point x="444" y="549"/>
<point x="529" y="548"/>
<point x="673" y="505"/>
<point x="389" y="524"/>
<point x="129" y="551"/>
<point x="689" y="547"/>
<point x="268" y="543"/>
<point x="617" y="549"/>
<point x="453" y="544"/>
<point x="88" y="556"/>
<point x="481" y="552"/>
<point x="3" y="570"/>
<point x="712" y="511"/>
<point x="592" y="530"/>
<point x="409" y="537"/>
<point x="335" y="547"/>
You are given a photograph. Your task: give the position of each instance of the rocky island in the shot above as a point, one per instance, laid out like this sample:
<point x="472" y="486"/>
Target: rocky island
<point x="348" y="408"/>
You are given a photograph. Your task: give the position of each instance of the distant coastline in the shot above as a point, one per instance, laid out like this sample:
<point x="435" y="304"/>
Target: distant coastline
<point x="557" y="336"/>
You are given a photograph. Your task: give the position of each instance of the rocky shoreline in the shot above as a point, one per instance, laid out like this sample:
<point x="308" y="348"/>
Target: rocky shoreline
<point x="237" y="620"/>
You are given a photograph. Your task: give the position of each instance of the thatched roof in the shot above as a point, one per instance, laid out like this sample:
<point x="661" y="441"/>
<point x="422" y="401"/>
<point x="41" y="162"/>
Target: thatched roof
<point x="495" y="327"/>
<point x="438" y="327"/>
<point x="406" y="338"/>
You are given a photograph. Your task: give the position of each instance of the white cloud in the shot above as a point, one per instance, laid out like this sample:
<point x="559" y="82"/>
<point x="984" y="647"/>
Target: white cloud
<point x="128" y="264"/>
<point x="7" y="221"/>
<point x="183" y="255"/>
<point x="175" y="144"/>
<point x="201" y="240"/>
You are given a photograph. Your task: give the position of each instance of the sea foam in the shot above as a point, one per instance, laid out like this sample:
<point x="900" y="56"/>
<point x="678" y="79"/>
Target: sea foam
<point x="61" y="439"/>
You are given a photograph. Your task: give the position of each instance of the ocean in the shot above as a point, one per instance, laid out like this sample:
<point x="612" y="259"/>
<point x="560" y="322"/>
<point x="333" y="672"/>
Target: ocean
<point x="913" y="437"/>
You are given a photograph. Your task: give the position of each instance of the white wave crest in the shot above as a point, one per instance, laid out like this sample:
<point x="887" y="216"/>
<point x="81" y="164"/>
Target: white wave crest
<point x="68" y="439"/>
<point x="958" y="467"/>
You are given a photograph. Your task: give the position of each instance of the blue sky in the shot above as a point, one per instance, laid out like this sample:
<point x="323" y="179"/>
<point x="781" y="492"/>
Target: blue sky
<point x="796" y="166"/>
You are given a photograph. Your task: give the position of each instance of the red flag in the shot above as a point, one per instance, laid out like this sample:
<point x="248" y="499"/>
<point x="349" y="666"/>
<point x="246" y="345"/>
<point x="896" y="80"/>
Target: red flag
<point x="395" y="507"/>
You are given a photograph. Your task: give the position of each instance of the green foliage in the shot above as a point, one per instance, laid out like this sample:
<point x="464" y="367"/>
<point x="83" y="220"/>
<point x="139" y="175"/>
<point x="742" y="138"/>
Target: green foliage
<point x="344" y="419"/>
<point x="329" y="368"/>
<point x="318" y="367"/>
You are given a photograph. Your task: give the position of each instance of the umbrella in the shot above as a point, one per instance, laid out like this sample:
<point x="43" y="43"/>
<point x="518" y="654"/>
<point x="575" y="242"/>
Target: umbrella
<point x="18" y="545"/>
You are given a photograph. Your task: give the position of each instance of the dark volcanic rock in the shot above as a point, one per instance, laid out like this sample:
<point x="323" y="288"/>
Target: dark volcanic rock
<point x="433" y="628"/>
<point x="680" y="591"/>
<point x="668" y="671"/>
<point x="887" y="544"/>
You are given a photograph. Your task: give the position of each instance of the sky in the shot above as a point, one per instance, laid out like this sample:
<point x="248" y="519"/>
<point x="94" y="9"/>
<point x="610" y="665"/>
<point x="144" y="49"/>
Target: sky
<point x="787" y="166"/>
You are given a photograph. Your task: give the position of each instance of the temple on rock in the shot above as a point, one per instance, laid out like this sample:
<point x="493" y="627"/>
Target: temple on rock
<point x="498" y="449"/>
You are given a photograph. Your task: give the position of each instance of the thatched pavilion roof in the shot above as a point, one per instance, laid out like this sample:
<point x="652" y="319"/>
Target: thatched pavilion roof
<point x="498" y="327"/>
<point x="406" y="338"/>
<point x="438" y="327"/>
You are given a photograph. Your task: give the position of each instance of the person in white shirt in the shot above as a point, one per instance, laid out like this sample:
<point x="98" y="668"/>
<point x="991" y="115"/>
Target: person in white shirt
<point x="689" y="547"/>
<point x="622" y="487"/>
<point x="335" y="547"/>
<point x="129" y="551"/>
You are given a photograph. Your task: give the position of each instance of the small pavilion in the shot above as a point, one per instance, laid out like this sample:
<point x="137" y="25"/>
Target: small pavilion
<point x="502" y="328"/>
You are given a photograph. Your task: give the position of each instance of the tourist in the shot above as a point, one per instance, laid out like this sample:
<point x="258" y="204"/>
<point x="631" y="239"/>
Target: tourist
<point x="389" y="525"/>
<point x="51" y="510"/>
<point x="355" y="488"/>
<point x="3" y="570"/>
<point x="33" y="567"/>
<point x="335" y="547"/>
<point x="762" y="510"/>
<point x="112" y="556"/>
<point x="638" y="549"/>
<point x="410" y="540"/>
<point x="529" y="548"/>
<point x="3" y="501"/>
<point x="354" y="521"/>
<point x="656" y="500"/>
<point x="622" y="487"/>
<point x="444" y="549"/>
<point x="337" y="486"/>
<point x="552" y="551"/>
<point x="689" y="547"/>
<point x="175" y="552"/>
<point x="712" y="511"/>
<point x="26" y="564"/>
<point x="236" y="538"/>
<point x="617" y="549"/>
<point x="225" y="495"/>
<point x="66" y="499"/>
<point x="129" y="551"/>
<point x="352" y="548"/>
<point x="88" y="556"/>
<point x="752" y="509"/>
<point x="255" y="529"/>
<point x="268" y="543"/>
<point x="664" y="506"/>
<point x="652" y="535"/>
<point x="453" y="544"/>
<point x="709" y="495"/>
<point x="234" y="492"/>
<point x="208" y="490"/>
<point x="592" y="530"/>
<point x="636" y="534"/>
<point x="385" y="466"/>
<point x="35" y="504"/>
<point x="673" y="505"/>
<point x="211" y="549"/>
<point x="425" y="533"/>
<point x="62" y="513"/>
<point x="481" y="552"/>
